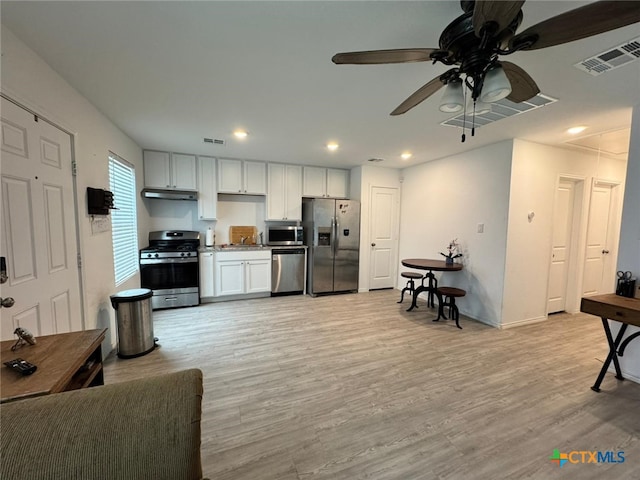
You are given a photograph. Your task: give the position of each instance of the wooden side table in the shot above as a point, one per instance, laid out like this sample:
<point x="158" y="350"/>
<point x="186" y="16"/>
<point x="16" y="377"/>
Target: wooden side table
<point x="66" y="361"/>
<point x="621" y="309"/>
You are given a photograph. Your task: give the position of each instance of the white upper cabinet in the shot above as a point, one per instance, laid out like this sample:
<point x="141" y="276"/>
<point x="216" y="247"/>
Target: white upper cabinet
<point x="325" y="182"/>
<point x="337" y="183"/>
<point x="284" y="193"/>
<point x="170" y="170"/>
<point x="207" y="194"/>
<point x="242" y="176"/>
<point x="157" y="169"/>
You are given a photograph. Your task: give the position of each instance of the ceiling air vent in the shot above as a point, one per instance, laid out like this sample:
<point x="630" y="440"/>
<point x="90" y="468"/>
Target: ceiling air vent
<point x="215" y="141"/>
<point x="501" y="109"/>
<point x="375" y="160"/>
<point x="612" y="58"/>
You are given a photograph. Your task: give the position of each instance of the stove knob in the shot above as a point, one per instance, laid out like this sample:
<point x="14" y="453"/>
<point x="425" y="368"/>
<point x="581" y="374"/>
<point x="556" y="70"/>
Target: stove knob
<point x="182" y="254"/>
<point x="156" y="255"/>
<point x="148" y="255"/>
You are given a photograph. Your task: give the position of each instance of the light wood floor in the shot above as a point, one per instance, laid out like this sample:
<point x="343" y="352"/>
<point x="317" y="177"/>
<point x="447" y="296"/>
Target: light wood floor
<point x="353" y="387"/>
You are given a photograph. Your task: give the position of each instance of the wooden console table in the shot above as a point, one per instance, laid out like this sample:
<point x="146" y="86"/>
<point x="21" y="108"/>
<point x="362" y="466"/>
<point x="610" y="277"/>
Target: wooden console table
<point x="621" y="309"/>
<point x="66" y="361"/>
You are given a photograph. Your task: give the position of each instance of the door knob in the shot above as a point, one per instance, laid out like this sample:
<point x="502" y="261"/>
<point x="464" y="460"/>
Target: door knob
<point x="605" y="251"/>
<point x="373" y="244"/>
<point x="7" y="302"/>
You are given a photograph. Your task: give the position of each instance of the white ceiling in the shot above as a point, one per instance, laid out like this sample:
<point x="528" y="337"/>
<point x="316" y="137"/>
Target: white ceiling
<point x="171" y="73"/>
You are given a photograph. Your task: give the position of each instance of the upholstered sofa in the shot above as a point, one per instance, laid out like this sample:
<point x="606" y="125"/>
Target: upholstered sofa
<point x="142" y="429"/>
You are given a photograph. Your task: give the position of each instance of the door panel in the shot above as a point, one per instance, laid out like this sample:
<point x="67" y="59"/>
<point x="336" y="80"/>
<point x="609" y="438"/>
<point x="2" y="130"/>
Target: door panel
<point x="38" y="224"/>
<point x="561" y="242"/>
<point x="384" y="227"/>
<point x="597" y="248"/>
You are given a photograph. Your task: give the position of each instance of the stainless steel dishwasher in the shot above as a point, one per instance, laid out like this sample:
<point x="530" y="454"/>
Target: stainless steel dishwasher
<point x="287" y="271"/>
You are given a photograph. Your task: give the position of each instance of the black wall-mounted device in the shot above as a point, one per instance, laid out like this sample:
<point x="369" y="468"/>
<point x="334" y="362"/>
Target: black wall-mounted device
<point x="99" y="201"/>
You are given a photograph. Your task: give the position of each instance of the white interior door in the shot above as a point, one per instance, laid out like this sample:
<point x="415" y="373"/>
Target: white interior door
<point x="384" y="237"/>
<point x="38" y="226"/>
<point x="561" y="247"/>
<point x="599" y="265"/>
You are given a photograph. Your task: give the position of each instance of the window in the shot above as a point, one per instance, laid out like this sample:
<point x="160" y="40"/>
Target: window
<point x="124" y="228"/>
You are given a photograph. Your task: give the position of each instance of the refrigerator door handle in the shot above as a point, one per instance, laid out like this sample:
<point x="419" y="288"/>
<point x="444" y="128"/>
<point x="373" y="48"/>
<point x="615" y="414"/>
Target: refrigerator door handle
<point x="335" y="238"/>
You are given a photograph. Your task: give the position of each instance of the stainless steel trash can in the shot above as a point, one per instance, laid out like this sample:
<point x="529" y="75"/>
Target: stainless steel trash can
<point x="134" y="321"/>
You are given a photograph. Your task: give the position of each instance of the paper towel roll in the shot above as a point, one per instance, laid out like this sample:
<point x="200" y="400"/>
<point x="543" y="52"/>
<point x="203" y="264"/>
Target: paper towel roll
<point x="208" y="240"/>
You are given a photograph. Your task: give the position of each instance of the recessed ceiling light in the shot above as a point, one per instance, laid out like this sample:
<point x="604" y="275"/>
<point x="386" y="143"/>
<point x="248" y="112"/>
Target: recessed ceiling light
<point x="332" y="146"/>
<point x="576" y="130"/>
<point x="240" y="134"/>
<point x="406" y="155"/>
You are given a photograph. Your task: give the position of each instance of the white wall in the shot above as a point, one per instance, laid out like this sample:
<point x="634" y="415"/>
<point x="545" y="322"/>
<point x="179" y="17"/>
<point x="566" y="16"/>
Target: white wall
<point x="447" y="199"/>
<point x="629" y="248"/>
<point x="231" y="210"/>
<point x="362" y="179"/>
<point x="27" y="79"/>
<point x="535" y="172"/>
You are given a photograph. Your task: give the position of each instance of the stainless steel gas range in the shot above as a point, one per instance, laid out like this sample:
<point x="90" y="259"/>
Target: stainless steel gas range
<point x="169" y="267"/>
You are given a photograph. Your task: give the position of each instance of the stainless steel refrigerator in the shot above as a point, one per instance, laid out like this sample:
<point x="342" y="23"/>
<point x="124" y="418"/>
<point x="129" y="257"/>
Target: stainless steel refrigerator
<point x="332" y="235"/>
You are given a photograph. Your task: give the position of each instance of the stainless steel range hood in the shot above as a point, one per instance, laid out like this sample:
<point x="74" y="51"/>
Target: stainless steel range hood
<point x="170" y="194"/>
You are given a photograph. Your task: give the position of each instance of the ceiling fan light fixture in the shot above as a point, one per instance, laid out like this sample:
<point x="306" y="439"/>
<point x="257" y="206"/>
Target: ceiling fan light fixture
<point x="481" y="108"/>
<point x="453" y="98"/>
<point x="496" y="85"/>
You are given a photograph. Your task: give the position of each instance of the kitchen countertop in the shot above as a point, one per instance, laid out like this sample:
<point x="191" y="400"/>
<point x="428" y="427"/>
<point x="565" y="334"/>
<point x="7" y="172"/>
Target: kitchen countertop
<point x="236" y="248"/>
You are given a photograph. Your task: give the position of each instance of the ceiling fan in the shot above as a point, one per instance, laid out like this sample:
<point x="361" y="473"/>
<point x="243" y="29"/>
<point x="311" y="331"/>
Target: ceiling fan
<point x="474" y="42"/>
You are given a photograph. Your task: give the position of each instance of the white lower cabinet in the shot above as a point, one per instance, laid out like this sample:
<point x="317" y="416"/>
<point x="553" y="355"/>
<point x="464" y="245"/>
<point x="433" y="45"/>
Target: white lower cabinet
<point x="240" y="273"/>
<point x="207" y="275"/>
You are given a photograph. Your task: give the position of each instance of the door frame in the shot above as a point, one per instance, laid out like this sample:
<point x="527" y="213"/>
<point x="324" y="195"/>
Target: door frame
<point x="25" y="105"/>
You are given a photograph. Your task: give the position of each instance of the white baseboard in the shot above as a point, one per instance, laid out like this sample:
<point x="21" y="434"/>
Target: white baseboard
<point x="527" y="321"/>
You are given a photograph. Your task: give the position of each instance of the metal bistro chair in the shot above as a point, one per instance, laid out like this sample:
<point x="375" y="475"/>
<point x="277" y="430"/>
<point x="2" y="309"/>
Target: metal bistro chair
<point x="450" y="294"/>
<point x="411" y="286"/>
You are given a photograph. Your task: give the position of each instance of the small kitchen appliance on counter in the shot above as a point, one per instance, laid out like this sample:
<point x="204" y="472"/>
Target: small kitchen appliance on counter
<point x="169" y="268"/>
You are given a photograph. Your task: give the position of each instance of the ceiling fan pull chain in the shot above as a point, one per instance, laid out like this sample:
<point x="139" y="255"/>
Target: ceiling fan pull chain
<point x="464" y="117"/>
<point x="473" y="121"/>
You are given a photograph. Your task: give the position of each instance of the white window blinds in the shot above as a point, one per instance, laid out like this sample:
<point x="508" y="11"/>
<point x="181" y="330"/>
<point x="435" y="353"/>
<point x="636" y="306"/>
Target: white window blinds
<point x="124" y="228"/>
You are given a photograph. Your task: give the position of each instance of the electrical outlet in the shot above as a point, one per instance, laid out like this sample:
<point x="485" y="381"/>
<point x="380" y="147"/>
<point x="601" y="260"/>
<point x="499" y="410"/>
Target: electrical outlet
<point x="481" y="228"/>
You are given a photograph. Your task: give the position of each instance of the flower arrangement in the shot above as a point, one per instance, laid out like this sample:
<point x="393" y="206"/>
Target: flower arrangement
<point x="452" y="251"/>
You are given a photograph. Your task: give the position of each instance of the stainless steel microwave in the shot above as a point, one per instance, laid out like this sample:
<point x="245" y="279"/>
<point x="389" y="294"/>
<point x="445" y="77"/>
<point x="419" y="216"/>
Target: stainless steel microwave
<point x="284" y="235"/>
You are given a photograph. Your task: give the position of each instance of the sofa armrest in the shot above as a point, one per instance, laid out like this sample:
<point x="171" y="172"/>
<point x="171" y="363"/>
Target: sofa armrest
<point x="142" y="429"/>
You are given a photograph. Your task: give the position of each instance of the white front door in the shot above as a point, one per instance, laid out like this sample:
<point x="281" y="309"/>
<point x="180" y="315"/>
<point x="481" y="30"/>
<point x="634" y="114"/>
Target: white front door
<point x="38" y="226"/>
<point x="561" y="243"/>
<point x="599" y="262"/>
<point x="384" y="237"/>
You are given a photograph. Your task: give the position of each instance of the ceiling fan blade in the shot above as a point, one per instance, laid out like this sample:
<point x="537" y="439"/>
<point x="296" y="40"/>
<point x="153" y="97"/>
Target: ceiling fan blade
<point x="419" y="96"/>
<point x="373" y="57"/>
<point x="592" y="19"/>
<point x="523" y="87"/>
<point x="501" y="13"/>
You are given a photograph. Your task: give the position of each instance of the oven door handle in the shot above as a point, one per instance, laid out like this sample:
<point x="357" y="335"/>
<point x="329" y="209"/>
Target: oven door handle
<point x="157" y="261"/>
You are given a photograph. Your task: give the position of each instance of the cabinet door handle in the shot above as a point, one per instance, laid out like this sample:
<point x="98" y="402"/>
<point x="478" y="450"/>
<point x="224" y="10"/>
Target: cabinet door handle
<point x="373" y="244"/>
<point x="605" y="251"/>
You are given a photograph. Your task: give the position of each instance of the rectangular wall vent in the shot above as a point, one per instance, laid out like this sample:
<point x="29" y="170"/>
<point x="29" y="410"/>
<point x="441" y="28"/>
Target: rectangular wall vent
<point x="501" y="109"/>
<point x="215" y="141"/>
<point x="611" y="59"/>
